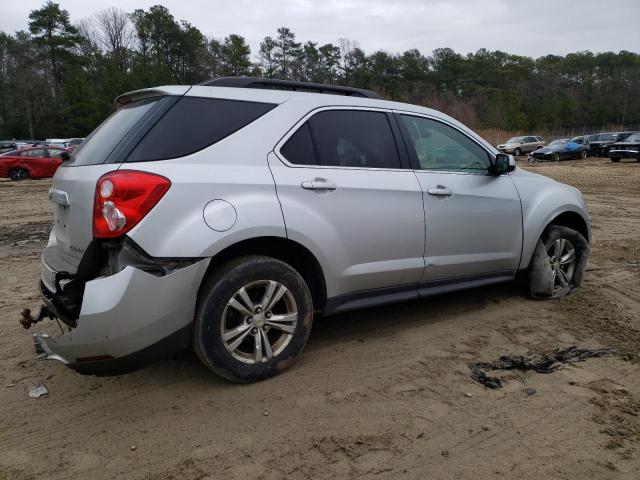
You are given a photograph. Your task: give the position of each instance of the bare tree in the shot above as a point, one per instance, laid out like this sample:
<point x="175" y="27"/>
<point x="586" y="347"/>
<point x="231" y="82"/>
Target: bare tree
<point x="114" y="33"/>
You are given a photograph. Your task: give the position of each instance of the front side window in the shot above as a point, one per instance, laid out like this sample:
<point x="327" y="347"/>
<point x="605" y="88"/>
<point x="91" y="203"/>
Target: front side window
<point x="440" y="147"/>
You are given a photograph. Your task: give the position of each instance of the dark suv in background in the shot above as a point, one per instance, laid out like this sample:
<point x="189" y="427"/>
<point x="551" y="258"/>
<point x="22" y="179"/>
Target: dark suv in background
<point x="600" y="143"/>
<point x="628" y="148"/>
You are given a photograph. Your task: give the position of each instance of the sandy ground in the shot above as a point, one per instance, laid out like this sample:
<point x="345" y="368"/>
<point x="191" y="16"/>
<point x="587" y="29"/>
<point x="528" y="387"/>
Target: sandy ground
<point x="381" y="393"/>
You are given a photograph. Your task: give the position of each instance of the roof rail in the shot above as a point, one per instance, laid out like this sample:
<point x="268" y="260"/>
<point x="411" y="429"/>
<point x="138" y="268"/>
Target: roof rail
<point x="267" y="83"/>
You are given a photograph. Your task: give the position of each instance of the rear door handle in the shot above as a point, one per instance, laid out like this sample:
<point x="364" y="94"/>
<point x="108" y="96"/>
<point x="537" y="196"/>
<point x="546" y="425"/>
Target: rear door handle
<point x="440" y="191"/>
<point x="319" y="184"/>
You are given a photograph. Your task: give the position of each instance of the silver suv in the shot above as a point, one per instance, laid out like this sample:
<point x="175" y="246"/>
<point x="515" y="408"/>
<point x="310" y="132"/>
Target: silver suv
<point x="225" y="215"/>
<point x="520" y="145"/>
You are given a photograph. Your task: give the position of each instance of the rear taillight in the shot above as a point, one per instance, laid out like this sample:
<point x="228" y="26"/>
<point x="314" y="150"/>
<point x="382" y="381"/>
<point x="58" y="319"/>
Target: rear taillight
<point x="123" y="198"/>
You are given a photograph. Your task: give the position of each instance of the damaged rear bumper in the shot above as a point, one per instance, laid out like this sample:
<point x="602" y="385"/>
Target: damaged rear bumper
<point x="125" y="320"/>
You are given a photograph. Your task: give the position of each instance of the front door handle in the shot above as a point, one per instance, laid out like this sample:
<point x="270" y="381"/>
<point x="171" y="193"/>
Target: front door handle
<point x="319" y="184"/>
<point x="440" y="191"/>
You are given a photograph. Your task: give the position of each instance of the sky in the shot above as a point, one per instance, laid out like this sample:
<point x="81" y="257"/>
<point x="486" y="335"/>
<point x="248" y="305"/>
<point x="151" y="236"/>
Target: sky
<point x="523" y="27"/>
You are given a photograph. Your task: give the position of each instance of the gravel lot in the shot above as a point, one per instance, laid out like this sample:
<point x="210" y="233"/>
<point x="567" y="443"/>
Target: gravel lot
<point x="382" y="393"/>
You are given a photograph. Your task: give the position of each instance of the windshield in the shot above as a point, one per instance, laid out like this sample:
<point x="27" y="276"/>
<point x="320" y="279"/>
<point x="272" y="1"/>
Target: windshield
<point x="514" y="140"/>
<point x="558" y="142"/>
<point x="635" y="138"/>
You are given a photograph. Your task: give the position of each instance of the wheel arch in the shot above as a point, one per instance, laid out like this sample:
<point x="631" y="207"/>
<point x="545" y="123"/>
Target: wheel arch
<point x="289" y="251"/>
<point x="563" y="216"/>
<point x="572" y="220"/>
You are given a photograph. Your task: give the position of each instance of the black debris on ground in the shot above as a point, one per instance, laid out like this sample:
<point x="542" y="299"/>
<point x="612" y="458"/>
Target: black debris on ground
<point x="545" y="363"/>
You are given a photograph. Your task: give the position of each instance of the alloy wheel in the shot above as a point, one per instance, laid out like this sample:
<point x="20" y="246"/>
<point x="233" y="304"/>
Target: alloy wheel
<point x="258" y="321"/>
<point x="562" y="257"/>
<point x="18" y="174"/>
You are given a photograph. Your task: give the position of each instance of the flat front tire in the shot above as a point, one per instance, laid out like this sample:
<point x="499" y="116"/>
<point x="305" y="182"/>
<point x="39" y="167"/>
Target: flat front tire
<point x="558" y="263"/>
<point x="253" y="318"/>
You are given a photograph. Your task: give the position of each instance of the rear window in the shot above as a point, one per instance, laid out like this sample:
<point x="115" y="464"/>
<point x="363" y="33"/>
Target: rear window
<point x="104" y="139"/>
<point x="194" y="123"/>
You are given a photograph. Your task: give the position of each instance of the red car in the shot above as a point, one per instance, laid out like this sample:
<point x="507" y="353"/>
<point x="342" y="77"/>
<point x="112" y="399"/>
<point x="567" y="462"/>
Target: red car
<point x="35" y="162"/>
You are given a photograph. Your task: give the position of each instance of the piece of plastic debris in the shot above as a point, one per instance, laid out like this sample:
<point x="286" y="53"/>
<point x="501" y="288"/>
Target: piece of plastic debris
<point x="530" y="391"/>
<point x="10" y="385"/>
<point x="37" y="390"/>
<point x="266" y="413"/>
<point x="468" y="395"/>
<point x="545" y="363"/>
<point x="133" y="448"/>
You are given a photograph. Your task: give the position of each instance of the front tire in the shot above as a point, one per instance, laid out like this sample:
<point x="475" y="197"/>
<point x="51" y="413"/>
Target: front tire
<point x="558" y="263"/>
<point x="253" y="318"/>
<point x="615" y="160"/>
<point x="583" y="155"/>
<point x="18" y="174"/>
<point x="555" y="157"/>
<point x="517" y="152"/>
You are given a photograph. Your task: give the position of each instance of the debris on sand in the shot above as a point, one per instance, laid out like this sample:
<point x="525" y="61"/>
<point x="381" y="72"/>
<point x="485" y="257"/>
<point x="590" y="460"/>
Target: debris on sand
<point x="546" y="363"/>
<point x="37" y="390"/>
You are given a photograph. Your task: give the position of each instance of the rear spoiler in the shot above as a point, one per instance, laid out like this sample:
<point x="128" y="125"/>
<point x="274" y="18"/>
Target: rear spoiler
<point x="135" y="95"/>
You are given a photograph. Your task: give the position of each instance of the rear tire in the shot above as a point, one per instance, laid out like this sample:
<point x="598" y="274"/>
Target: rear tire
<point x="615" y="160"/>
<point x="18" y="174"/>
<point x="517" y="152"/>
<point x="253" y="318"/>
<point x="558" y="263"/>
<point x="583" y="154"/>
<point x="555" y="157"/>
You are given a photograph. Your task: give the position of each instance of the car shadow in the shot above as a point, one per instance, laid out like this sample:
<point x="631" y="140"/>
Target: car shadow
<point x="359" y="325"/>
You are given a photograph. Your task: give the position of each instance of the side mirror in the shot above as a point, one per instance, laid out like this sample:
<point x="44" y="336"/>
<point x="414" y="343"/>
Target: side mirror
<point x="503" y="164"/>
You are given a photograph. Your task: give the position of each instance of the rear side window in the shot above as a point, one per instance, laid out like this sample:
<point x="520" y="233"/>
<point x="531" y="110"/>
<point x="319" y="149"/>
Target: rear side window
<point x="299" y="148"/>
<point x="194" y="123"/>
<point x="348" y="138"/>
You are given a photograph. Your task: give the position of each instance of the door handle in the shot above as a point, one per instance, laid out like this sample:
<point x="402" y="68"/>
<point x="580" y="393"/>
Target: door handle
<point x="319" y="184"/>
<point x="440" y="191"/>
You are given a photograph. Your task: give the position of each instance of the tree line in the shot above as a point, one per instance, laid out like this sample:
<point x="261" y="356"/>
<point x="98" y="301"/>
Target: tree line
<point x="58" y="79"/>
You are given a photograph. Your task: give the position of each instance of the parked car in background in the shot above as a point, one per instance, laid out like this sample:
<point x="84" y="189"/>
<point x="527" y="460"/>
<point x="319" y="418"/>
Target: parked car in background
<point x="561" y="149"/>
<point x="519" y="145"/>
<point x="583" y="141"/>
<point x="73" y="143"/>
<point x="222" y="215"/>
<point x="33" y="162"/>
<point x="628" y="148"/>
<point x="600" y="143"/>
<point x="7" y="146"/>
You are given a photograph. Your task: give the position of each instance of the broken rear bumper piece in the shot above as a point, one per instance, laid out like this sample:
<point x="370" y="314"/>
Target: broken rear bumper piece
<point x="126" y="320"/>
